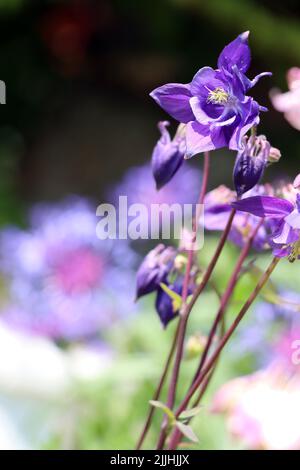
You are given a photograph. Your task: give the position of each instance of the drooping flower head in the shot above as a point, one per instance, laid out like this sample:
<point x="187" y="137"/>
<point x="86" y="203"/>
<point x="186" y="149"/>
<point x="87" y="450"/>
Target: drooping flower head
<point x="168" y="155"/>
<point x="214" y="105"/>
<point x="64" y="282"/>
<point x="217" y="208"/>
<point x="162" y="272"/>
<point x="251" y="161"/>
<point x="154" y="269"/>
<point x="289" y="102"/>
<point x="285" y="235"/>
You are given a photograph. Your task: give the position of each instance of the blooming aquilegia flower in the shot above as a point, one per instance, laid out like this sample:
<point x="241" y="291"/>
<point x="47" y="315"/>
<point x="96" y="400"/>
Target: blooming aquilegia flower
<point x="63" y="282"/>
<point x="217" y="208"/>
<point x="289" y="102"/>
<point x="162" y="272"/>
<point x="214" y="106"/>
<point x="168" y="155"/>
<point x="285" y="236"/>
<point x="251" y="161"/>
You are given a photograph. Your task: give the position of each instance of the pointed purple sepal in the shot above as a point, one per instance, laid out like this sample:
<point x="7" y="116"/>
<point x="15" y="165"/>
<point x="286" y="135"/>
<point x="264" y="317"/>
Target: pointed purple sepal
<point x="264" y="206"/>
<point x="174" y="99"/>
<point x="237" y="53"/>
<point x="167" y="157"/>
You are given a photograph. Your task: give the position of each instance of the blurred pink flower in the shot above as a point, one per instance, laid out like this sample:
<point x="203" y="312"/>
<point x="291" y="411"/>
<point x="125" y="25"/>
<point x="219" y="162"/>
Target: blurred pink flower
<point x="262" y="409"/>
<point x="289" y="102"/>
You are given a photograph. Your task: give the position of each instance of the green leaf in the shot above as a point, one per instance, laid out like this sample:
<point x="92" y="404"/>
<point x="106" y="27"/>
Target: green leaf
<point x="187" y="431"/>
<point x="187" y="414"/>
<point x="166" y="410"/>
<point x="177" y="300"/>
<point x="270" y="292"/>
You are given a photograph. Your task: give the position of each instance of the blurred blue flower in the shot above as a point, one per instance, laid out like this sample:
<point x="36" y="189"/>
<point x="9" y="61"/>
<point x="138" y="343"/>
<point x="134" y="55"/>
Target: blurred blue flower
<point x="139" y="187"/>
<point x="64" y="282"/>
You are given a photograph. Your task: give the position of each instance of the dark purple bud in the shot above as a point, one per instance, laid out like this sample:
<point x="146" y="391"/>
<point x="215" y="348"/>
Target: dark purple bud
<point x="164" y="304"/>
<point x="154" y="269"/>
<point x="250" y="163"/>
<point x="168" y="155"/>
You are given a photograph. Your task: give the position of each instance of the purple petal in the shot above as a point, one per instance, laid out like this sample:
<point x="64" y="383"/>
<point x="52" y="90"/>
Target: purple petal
<point x="174" y="99"/>
<point x="264" y="206"/>
<point x="293" y="219"/>
<point x="236" y="53"/>
<point x="258" y="77"/>
<point x="281" y="252"/>
<point x="198" y="139"/>
<point x="206" y="79"/>
<point x="284" y="235"/>
<point x="242" y="83"/>
<point x="250" y="118"/>
<point x="199" y="112"/>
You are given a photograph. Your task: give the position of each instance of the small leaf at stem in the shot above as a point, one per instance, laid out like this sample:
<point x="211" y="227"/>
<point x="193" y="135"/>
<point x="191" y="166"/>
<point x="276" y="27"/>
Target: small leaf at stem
<point x="187" y="431"/>
<point x="166" y="410"/>
<point x="187" y="414"/>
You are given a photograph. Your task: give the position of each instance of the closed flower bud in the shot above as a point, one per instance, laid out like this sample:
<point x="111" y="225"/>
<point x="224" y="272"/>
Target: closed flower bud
<point x="195" y="346"/>
<point x="250" y="163"/>
<point x="168" y="155"/>
<point x="154" y="269"/>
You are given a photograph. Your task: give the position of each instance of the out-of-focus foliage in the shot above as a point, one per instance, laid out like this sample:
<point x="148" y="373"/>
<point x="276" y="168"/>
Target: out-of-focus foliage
<point x="114" y="408"/>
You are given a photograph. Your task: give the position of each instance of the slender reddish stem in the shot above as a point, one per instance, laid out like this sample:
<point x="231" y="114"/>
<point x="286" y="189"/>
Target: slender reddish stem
<point x="220" y="314"/>
<point x="158" y="391"/>
<point x="211" y="362"/>
<point x="184" y="297"/>
<point x="184" y="320"/>
<point x="227" y="296"/>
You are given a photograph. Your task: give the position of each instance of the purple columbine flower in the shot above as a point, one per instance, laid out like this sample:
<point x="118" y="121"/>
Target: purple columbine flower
<point x="168" y="155"/>
<point x="154" y="269"/>
<point x="217" y="208"/>
<point x="285" y="234"/>
<point x="214" y="106"/>
<point x="251" y="162"/>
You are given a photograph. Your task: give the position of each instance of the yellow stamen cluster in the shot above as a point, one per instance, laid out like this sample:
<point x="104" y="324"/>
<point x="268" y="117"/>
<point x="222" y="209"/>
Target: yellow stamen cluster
<point x="295" y="252"/>
<point x="218" y="96"/>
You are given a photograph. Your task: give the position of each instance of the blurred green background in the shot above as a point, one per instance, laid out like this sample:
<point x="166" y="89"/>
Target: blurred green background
<point x="78" y="75"/>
